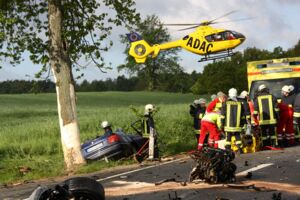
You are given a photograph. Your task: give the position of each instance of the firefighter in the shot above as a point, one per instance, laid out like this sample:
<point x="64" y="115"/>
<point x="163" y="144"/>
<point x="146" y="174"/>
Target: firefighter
<point x="146" y="127"/>
<point x="285" y="105"/>
<point x="199" y="115"/>
<point x="234" y="114"/>
<point x="194" y="110"/>
<point x="107" y="128"/>
<point x="297" y="116"/>
<point x="210" y="123"/>
<point x="267" y="112"/>
<point x="216" y="104"/>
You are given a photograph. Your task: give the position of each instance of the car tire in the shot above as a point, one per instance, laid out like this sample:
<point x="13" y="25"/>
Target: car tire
<point x="84" y="188"/>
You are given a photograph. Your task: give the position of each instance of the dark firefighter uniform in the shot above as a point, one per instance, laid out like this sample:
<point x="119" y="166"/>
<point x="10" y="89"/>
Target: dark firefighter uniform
<point x="297" y="116"/>
<point x="267" y="111"/>
<point x="285" y="105"/>
<point x="142" y="126"/>
<point x="234" y="114"/>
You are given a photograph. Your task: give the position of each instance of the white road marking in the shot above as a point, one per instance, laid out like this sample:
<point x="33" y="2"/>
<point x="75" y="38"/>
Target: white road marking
<point x="254" y="169"/>
<point x="137" y="170"/>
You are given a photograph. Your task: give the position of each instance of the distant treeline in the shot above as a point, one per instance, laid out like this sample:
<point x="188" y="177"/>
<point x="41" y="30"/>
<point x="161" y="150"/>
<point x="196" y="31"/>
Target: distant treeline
<point x="168" y="83"/>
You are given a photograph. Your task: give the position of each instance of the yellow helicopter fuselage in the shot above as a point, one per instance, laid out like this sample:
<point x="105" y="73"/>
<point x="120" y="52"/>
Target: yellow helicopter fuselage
<point x="202" y="42"/>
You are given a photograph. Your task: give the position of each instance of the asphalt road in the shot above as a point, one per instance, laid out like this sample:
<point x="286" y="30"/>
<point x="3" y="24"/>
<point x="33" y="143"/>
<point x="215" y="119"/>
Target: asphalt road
<point x="274" y="174"/>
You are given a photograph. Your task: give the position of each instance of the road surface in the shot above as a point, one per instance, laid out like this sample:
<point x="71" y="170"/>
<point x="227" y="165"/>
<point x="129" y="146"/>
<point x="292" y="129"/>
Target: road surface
<point x="275" y="175"/>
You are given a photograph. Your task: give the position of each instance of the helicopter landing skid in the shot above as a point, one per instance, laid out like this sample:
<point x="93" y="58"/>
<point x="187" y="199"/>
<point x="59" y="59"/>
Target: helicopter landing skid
<point x="216" y="56"/>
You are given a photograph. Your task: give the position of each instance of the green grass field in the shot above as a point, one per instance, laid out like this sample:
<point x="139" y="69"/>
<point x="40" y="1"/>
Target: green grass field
<point x="30" y="137"/>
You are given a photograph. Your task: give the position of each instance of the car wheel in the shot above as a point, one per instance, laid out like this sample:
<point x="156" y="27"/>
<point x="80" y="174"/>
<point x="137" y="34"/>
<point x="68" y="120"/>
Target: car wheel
<point x="83" y="188"/>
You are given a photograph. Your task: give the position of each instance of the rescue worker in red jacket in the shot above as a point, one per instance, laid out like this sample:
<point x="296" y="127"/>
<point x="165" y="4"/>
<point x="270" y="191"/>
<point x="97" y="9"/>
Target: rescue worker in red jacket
<point x="210" y="123"/>
<point x="266" y="109"/>
<point x="297" y="117"/>
<point x="285" y="105"/>
<point x="216" y="104"/>
<point x="234" y="114"/>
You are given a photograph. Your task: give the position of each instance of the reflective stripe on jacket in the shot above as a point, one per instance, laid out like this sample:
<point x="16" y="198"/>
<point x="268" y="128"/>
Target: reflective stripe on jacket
<point x="213" y="118"/>
<point x="266" y="107"/>
<point x="233" y="116"/>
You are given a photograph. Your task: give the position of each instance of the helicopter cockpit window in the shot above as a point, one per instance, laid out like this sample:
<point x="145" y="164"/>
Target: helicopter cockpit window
<point x="209" y="38"/>
<point x="229" y="35"/>
<point x="214" y="37"/>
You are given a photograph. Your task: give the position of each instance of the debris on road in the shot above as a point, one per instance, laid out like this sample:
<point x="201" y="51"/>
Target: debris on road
<point x="213" y="166"/>
<point x="182" y="183"/>
<point x="175" y="198"/>
<point x="249" y="175"/>
<point x="250" y="187"/>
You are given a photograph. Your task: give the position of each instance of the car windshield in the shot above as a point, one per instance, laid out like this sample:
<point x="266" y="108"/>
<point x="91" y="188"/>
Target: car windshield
<point x="275" y="86"/>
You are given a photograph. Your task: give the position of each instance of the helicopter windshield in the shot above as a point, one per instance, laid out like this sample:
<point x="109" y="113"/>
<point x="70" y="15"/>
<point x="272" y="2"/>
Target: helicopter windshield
<point x="226" y="35"/>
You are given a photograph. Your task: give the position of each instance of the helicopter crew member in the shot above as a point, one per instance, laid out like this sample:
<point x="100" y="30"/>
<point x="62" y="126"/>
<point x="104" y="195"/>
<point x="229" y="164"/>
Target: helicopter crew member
<point x="285" y="105"/>
<point x="211" y="123"/>
<point x="234" y="115"/>
<point x="216" y="104"/>
<point x="107" y="128"/>
<point x="297" y="116"/>
<point x="266" y="108"/>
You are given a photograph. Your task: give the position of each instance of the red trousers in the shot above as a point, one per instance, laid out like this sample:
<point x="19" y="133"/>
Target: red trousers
<point x="214" y="135"/>
<point x="286" y="122"/>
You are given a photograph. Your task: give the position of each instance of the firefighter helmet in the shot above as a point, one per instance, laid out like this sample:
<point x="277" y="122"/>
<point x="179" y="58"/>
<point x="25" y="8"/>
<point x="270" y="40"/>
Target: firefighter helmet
<point x="213" y="96"/>
<point x="196" y="102"/>
<point x="149" y="108"/>
<point x="261" y="87"/>
<point x="105" y="124"/>
<point x="232" y="92"/>
<point x="244" y="94"/>
<point x="291" y="87"/>
<point x="285" y="88"/>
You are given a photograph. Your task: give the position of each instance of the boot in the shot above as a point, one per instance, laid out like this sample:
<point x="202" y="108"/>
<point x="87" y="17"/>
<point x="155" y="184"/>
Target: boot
<point x="280" y="144"/>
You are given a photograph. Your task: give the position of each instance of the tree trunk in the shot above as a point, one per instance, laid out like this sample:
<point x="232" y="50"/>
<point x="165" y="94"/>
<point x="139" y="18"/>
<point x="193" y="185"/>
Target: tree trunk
<point x="66" y="103"/>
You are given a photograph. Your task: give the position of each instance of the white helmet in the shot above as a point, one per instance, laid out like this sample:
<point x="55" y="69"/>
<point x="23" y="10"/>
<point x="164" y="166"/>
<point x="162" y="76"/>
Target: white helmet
<point x="291" y="87"/>
<point x="232" y="92"/>
<point x="105" y="124"/>
<point x="261" y="87"/>
<point x="213" y="96"/>
<point x="202" y="100"/>
<point x="196" y="102"/>
<point x="244" y="94"/>
<point x="285" y="88"/>
<point x="149" y="108"/>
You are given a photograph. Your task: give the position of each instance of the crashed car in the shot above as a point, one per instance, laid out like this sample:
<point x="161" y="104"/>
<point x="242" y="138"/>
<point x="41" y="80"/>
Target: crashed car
<point x="114" y="146"/>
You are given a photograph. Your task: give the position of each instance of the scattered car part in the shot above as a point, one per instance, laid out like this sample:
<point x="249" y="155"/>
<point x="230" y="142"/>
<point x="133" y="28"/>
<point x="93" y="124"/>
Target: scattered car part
<point x="213" y="165"/>
<point x="74" y="188"/>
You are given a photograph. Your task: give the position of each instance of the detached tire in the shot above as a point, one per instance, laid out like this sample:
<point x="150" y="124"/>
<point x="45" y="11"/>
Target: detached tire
<point x="83" y="188"/>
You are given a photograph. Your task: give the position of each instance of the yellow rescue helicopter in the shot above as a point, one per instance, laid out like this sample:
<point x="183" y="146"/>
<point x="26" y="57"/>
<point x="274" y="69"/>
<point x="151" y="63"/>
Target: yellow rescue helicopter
<point x="207" y="41"/>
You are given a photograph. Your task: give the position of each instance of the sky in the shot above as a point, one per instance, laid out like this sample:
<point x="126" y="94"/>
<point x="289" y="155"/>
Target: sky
<point x="275" y="23"/>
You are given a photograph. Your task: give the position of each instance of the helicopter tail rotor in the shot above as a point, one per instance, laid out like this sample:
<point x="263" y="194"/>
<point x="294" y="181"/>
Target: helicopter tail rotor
<point x="139" y="48"/>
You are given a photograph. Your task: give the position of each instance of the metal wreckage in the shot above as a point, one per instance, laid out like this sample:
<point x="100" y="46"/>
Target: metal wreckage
<point x="213" y="166"/>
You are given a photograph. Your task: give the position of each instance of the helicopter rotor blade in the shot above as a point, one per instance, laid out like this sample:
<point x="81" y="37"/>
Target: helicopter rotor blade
<point x="235" y="20"/>
<point x="229" y="13"/>
<point x="193" y="24"/>
<point x="192" y="27"/>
